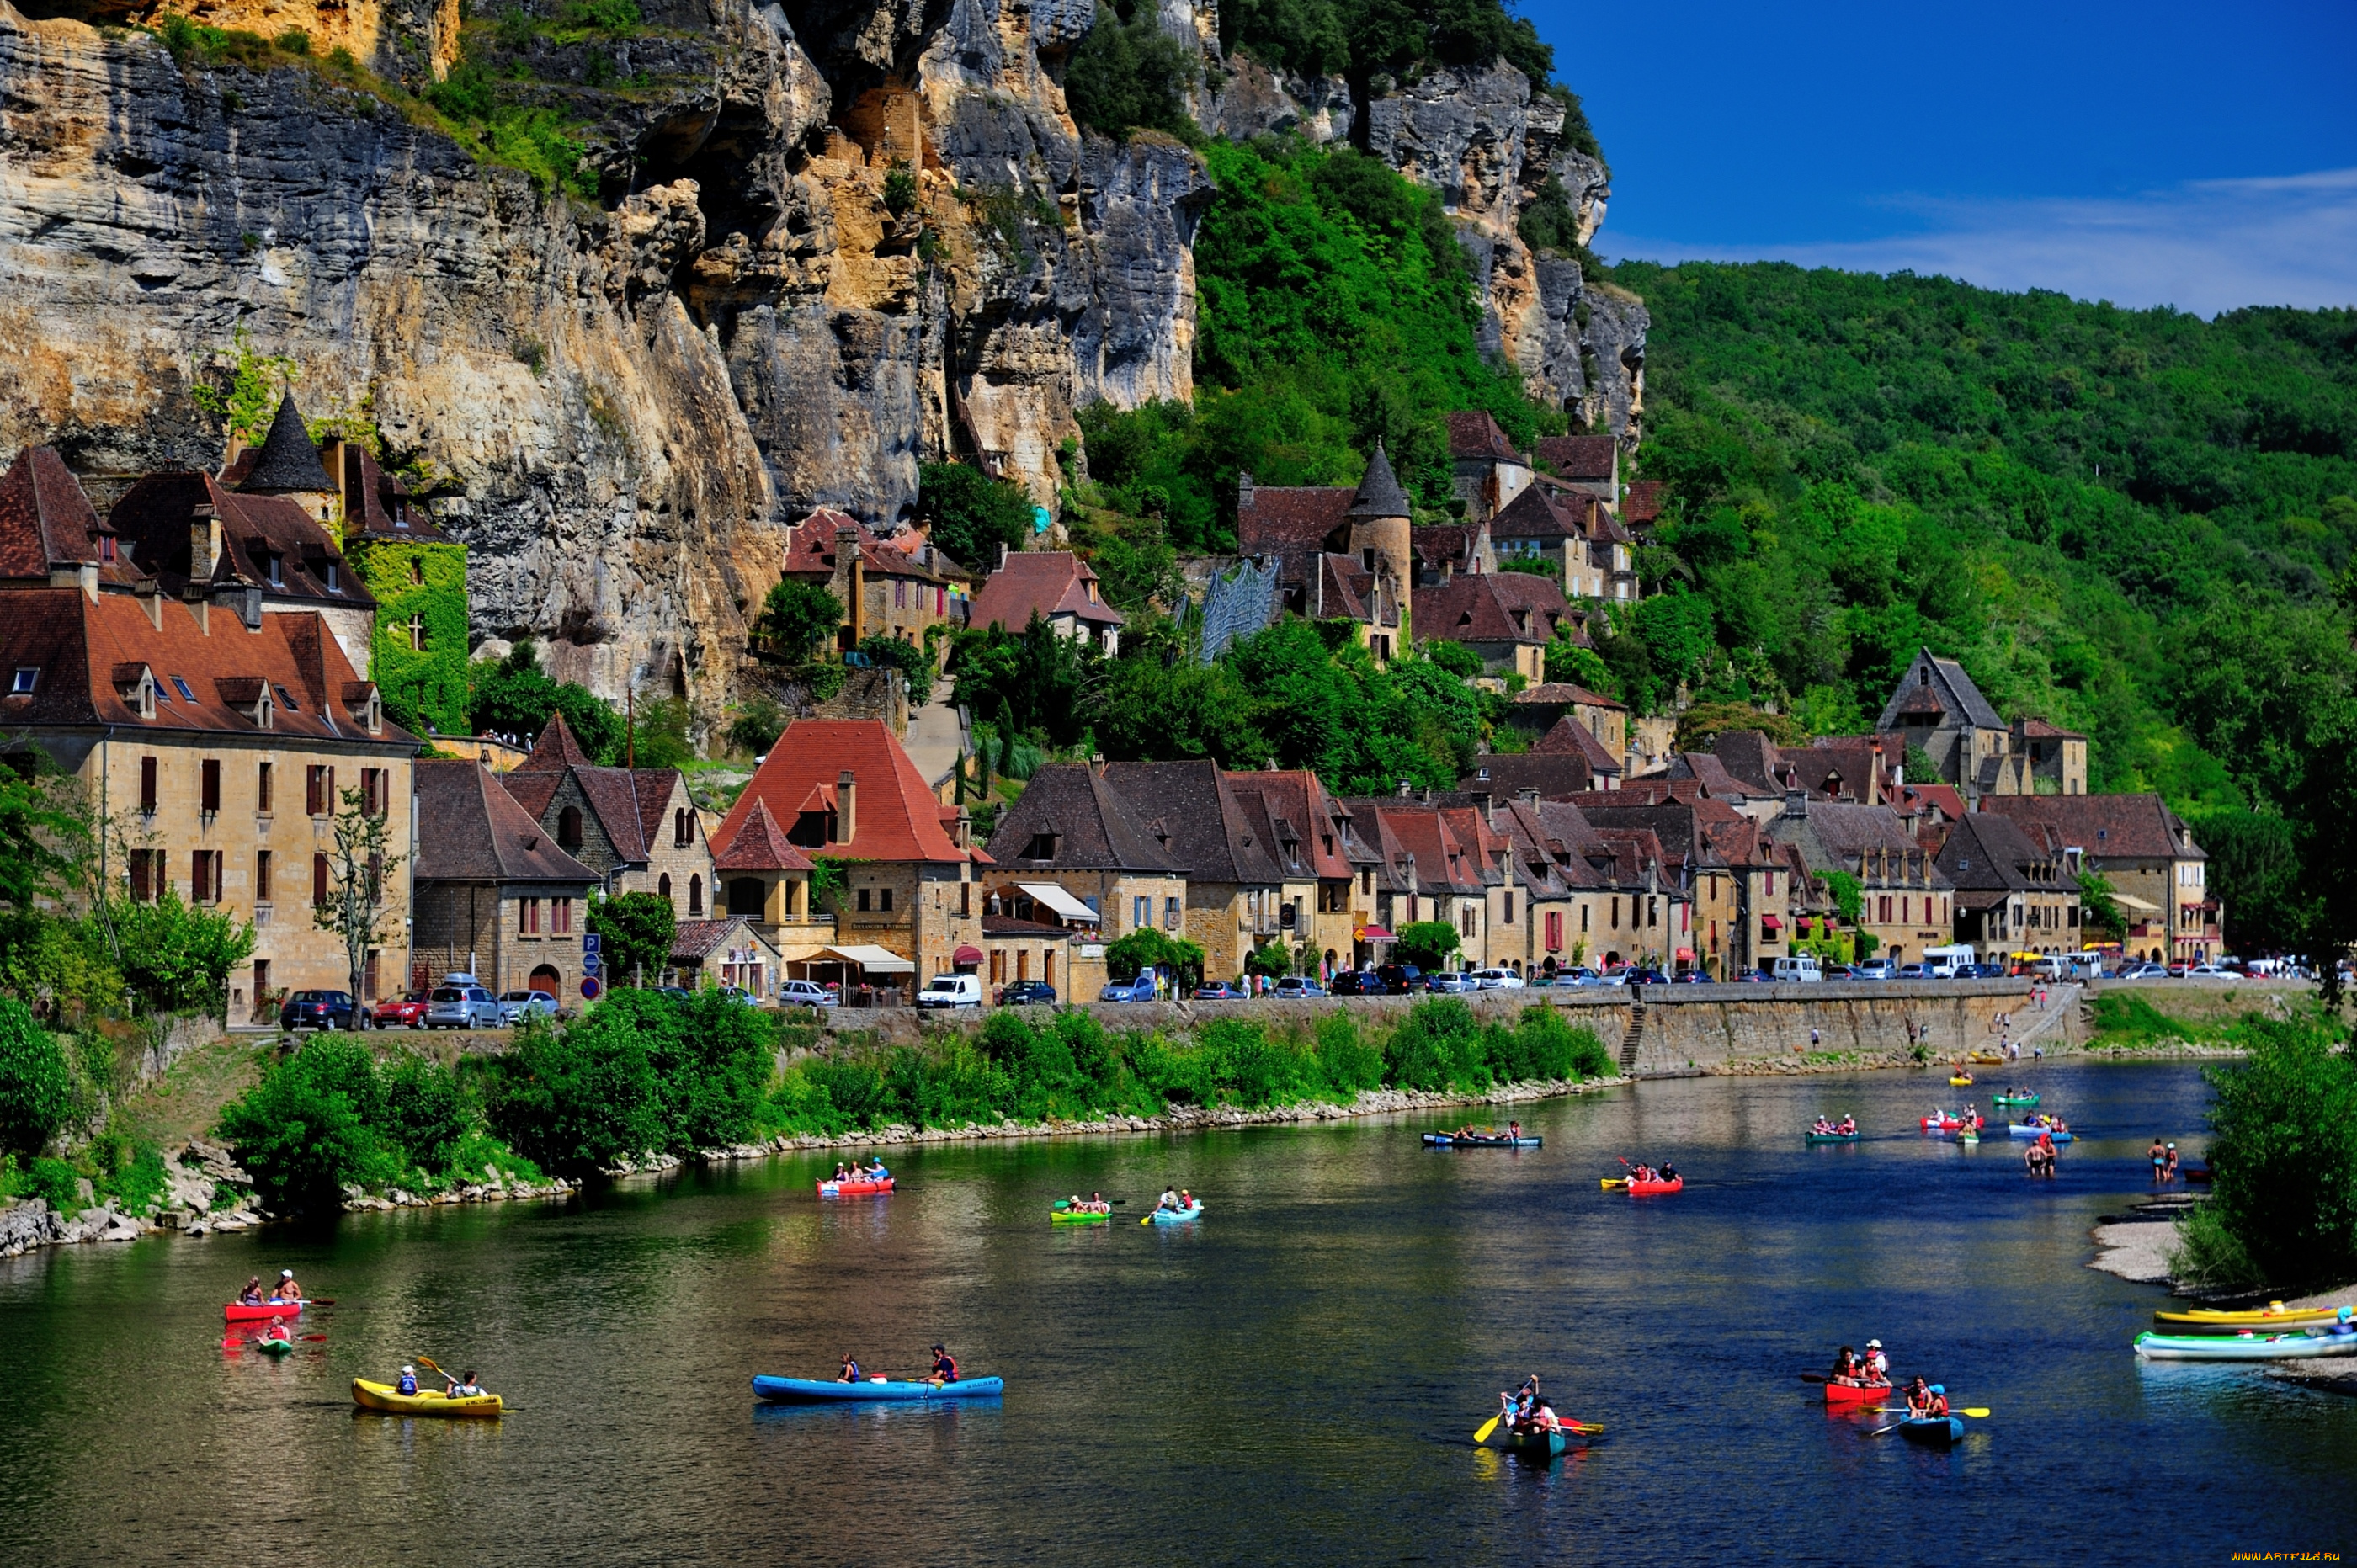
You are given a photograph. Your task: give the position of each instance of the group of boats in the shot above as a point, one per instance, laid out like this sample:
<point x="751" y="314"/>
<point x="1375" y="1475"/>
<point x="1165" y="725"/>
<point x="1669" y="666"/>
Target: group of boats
<point x="2271" y="1332"/>
<point x="387" y="1398"/>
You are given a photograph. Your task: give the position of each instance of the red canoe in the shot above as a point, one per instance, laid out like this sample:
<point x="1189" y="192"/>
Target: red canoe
<point x="1640" y="1188"/>
<point x="852" y="1189"/>
<point x="1848" y="1393"/>
<point x="238" y="1312"/>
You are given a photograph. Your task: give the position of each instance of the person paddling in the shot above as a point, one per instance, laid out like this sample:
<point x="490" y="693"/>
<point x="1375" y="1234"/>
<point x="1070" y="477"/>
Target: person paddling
<point x="945" y="1368"/>
<point x="464" y="1387"/>
<point x="1169" y="1199"/>
<point x="277" y="1330"/>
<point x="850" y="1373"/>
<point x="1874" y="1365"/>
<point x="1918" y="1399"/>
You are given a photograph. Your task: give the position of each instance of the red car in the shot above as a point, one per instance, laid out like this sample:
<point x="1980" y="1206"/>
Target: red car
<point x="406" y="1012"/>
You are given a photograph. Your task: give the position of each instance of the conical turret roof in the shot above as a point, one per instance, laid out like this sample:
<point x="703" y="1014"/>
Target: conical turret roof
<point x="287" y="460"/>
<point x="1379" y="491"/>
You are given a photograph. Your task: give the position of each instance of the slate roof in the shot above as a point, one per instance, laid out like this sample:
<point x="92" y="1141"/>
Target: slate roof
<point x="1947" y="686"/>
<point x="1563" y="693"/>
<point x="1712" y="774"/>
<point x="1986" y="852"/>
<point x="1189" y="810"/>
<point x="480" y="833"/>
<point x="1475" y="437"/>
<point x="287" y="460"/>
<point x="1048" y="582"/>
<point x="1579" y="456"/>
<point x="154" y="516"/>
<point x="1537" y="514"/>
<point x="1752" y="757"/>
<point x="761" y="845"/>
<point x="88" y="654"/>
<point x="896" y="817"/>
<point x="1302" y="820"/>
<point x="1378" y="493"/>
<point x="1570" y="735"/>
<point x="47" y="521"/>
<point x="1503" y="606"/>
<point x="2133" y="827"/>
<point x="1094" y="826"/>
<point x="1551" y="773"/>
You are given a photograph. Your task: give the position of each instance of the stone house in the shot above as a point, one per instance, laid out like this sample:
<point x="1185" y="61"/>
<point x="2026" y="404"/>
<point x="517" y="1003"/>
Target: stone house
<point x="845" y="791"/>
<point x="1589" y="554"/>
<point x="2158" y="873"/>
<point x="1017" y="948"/>
<point x="215" y="746"/>
<point x="1507" y="618"/>
<point x="1487" y="473"/>
<point x="1936" y="706"/>
<point x="1729" y="871"/>
<point x="1235" y="888"/>
<point x="1059" y="588"/>
<point x="496" y="897"/>
<point x="1447" y="550"/>
<point x="1338" y="554"/>
<point x="50" y="535"/>
<point x="764" y="880"/>
<point x="637" y="827"/>
<point x="2014" y="893"/>
<point x="1440" y="876"/>
<point x="884" y="591"/>
<point x="1316" y="849"/>
<point x="724" y="951"/>
<point x="2057" y="757"/>
<point x="1587" y="463"/>
<point x="1072" y="853"/>
<point x="1907" y="902"/>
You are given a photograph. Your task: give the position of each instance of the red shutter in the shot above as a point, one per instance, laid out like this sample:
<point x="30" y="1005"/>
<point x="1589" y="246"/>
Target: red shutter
<point x="139" y="875"/>
<point x="314" y="789"/>
<point x="319" y="881"/>
<point x="147" y="784"/>
<point x="210" y="785"/>
<point x="196" y="877"/>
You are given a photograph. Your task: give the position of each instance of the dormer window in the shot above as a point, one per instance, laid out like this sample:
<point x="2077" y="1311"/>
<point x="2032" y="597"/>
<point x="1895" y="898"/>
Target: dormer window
<point x="335" y="579"/>
<point x="106" y="547"/>
<point x="28" y="676"/>
<point x="273" y="569"/>
<point x="1043" y="847"/>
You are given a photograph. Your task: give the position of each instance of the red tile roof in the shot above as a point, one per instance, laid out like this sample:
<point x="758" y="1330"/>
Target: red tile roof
<point x="810" y="550"/>
<point x="46" y="520"/>
<point x="1505" y="606"/>
<point x="894" y="815"/>
<point x="1579" y="456"/>
<point x="1048" y="583"/>
<point x="1572" y="737"/>
<point x="1290" y="521"/>
<point x="1641" y="502"/>
<point x="1476" y="436"/>
<point x="154" y="518"/>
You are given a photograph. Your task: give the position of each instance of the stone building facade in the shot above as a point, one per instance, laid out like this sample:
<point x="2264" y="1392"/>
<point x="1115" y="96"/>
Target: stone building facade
<point x="496" y="897"/>
<point x="637" y="827"/>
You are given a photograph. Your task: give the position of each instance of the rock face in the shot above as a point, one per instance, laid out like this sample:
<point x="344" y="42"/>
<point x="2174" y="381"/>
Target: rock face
<point x="832" y="239"/>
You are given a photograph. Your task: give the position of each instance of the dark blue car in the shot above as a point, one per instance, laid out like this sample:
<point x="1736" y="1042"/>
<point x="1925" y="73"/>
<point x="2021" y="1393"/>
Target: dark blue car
<point x="323" y="1010"/>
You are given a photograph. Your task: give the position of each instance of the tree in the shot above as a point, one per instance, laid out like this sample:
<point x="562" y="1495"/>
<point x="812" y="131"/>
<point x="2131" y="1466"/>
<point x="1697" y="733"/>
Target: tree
<point x="35" y="1087"/>
<point x="1128" y="74"/>
<point x="41" y="840"/>
<point x="357" y="867"/>
<point x="515" y="697"/>
<point x="1427" y="944"/>
<point x="2095" y="905"/>
<point x="1271" y="960"/>
<point x="1146" y="947"/>
<point x="1454" y="657"/>
<point x="634" y="932"/>
<point x="2283" y="1206"/>
<point x="307" y="1129"/>
<point x="797" y="616"/>
<point x="969" y="514"/>
<point x="1704" y="722"/>
<point x="1849" y="895"/>
<point x="176" y="956"/>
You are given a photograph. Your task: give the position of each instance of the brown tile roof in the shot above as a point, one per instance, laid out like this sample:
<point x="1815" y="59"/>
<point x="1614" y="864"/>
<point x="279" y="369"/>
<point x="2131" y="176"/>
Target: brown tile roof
<point x="46" y="520"/>
<point x="1712" y="774"/>
<point x="2134" y="827"/>
<point x="1553" y="774"/>
<point x="1985" y="850"/>
<point x="1563" y="693"/>
<point x="1536" y="514"/>
<point x="1570" y="735"/>
<point x="1048" y="583"/>
<point x="90" y="653"/>
<point x="699" y="939"/>
<point x="1579" y="456"/>
<point x="1446" y="866"/>
<point x="385" y="509"/>
<point x="1301" y="815"/>
<point x="477" y="832"/>
<point x="1504" y="607"/>
<point x="2039" y="729"/>
<point x="1444" y="543"/>
<point x="1189" y="810"/>
<point x="761" y="845"/>
<point x="156" y="515"/>
<point x="1291" y="521"/>
<point x="810" y="550"/>
<point x="1641" y="502"/>
<point x="558" y="749"/>
<point x="894" y="816"/>
<point x="1094" y="827"/>
<point x="1476" y="435"/>
<point x="1752" y="757"/>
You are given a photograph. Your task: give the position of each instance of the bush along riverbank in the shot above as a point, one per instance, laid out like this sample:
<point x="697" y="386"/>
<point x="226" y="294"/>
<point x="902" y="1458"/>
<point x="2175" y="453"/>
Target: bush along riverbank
<point x="2126" y="1026"/>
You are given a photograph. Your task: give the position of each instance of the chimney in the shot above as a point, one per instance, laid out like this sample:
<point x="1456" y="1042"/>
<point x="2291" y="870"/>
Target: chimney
<point x="204" y="543"/>
<point x="1002" y="557"/>
<point x="1527" y="797"/>
<point x="846" y="807"/>
<point x="1480" y="793"/>
<point x="851" y="566"/>
<point x="964" y="829"/>
<point x="1796" y="802"/>
<point x="1244" y="490"/>
<point x="1406" y="787"/>
<point x="150" y="594"/>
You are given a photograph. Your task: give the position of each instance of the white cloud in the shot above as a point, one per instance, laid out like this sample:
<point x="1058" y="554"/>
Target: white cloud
<point x="2205" y="246"/>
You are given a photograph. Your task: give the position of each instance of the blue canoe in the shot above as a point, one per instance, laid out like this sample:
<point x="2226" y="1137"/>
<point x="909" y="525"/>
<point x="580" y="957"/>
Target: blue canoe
<point x="810" y="1391"/>
<point x="1175" y="1216"/>
<point x="1934" y="1431"/>
<point x="1478" y="1141"/>
<point x="2020" y="1130"/>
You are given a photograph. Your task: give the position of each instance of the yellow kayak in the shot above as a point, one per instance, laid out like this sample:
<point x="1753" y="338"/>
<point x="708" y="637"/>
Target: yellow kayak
<point x="2273" y="1316"/>
<point x="1959" y="1082"/>
<point x="385" y="1397"/>
<point x="1608" y="1183"/>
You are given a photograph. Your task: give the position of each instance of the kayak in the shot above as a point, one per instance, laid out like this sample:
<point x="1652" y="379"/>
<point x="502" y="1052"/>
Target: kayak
<point x="1933" y="1430"/>
<point x="1643" y="1189"/>
<point x="1831" y="1137"/>
<point x="810" y="1391"/>
<point x="274" y="1346"/>
<point x="1986" y="1059"/>
<point x="1969" y="1135"/>
<point x="2274" y="1316"/>
<point x="385" y="1397"/>
<point x="1077" y="1216"/>
<point x="1175" y="1216"/>
<point x="1540" y="1445"/>
<point x="2306" y="1344"/>
<point x="1477" y="1141"/>
<point x="2029" y="1099"/>
<point x="1954" y="1082"/>
<point x="238" y="1312"/>
<point x="2021" y="1131"/>
<point x="1608" y="1183"/>
<point x="852" y="1189"/>
<point x="1856" y="1393"/>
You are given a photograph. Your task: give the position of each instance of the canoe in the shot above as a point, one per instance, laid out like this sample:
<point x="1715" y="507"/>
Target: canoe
<point x="1934" y="1432"/>
<point x="2029" y="1099"/>
<point x="1643" y="1188"/>
<point x="1478" y="1141"/>
<point x="2021" y="1131"/>
<point x="2274" y="1316"/>
<point x="1077" y="1216"/>
<point x="1547" y="1445"/>
<point x="811" y="1391"/>
<point x="386" y="1397"/>
<point x="2305" y="1345"/>
<point x="1832" y="1137"/>
<point x="852" y="1189"/>
<point x="1856" y="1393"/>
<point x="1608" y="1183"/>
<point x="238" y="1312"/>
<point x="1986" y="1059"/>
<point x="1175" y="1216"/>
<point x="1943" y="1122"/>
<point x="1954" y="1082"/>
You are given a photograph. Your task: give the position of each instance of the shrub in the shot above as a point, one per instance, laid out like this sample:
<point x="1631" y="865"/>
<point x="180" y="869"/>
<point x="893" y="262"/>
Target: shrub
<point x="581" y="1098"/>
<point x="1438" y="1046"/>
<point x="176" y="955"/>
<point x="57" y="1182"/>
<point x="35" y="1085"/>
<point x="615" y="19"/>
<point x="712" y="1057"/>
<point x="2283" y="1148"/>
<point x="854" y="1090"/>
<point x="425" y="1110"/>
<point x="796" y="616"/>
<point x="635" y="933"/>
<point x="1427" y="944"/>
<point x="1454" y="656"/>
<point x="757" y="725"/>
<point x="969" y="514"/>
<point x="1348" y="1061"/>
<point x="306" y="1128"/>
<point x="899" y="188"/>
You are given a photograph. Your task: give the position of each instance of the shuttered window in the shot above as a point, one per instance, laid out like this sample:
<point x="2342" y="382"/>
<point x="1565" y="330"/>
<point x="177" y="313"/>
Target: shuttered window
<point x="319" y="881"/>
<point x="147" y="784"/>
<point x="209" y="786"/>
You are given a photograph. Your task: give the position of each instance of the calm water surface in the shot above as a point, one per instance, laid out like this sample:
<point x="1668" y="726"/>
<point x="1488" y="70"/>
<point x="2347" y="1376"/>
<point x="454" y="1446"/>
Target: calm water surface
<point x="1297" y="1378"/>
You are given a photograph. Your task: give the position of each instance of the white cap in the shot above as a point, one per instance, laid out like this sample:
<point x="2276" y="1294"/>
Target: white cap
<point x="408" y="1371"/>
<point x="286" y="1273"/>
<point x="1874" y="1344"/>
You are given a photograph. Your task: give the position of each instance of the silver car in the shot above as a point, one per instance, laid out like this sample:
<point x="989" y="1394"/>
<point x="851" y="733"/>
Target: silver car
<point x="455" y="1006"/>
<point x="514" y="1005"/>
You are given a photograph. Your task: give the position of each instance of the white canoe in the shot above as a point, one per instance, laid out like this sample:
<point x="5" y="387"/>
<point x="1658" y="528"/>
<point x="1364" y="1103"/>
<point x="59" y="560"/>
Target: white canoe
<point x="2241" y="1348"/>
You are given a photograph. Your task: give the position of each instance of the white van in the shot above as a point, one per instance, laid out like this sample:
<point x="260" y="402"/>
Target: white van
<point x="1800" y="966"/>
<point x="951" y="990"/>
<point x="1941" y="963"/>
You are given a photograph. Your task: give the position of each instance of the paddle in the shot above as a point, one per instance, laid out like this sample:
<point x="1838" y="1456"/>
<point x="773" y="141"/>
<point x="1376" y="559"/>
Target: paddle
<point x="1977" y="1411"/>
<point x="1487" y="1427"/>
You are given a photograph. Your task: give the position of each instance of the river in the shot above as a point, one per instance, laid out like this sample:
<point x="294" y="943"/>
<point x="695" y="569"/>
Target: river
<point x="1296" y="1377"/>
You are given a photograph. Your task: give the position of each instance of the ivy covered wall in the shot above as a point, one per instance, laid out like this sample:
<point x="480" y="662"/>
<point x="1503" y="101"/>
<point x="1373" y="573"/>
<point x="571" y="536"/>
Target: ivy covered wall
<point x="426" y="582"/>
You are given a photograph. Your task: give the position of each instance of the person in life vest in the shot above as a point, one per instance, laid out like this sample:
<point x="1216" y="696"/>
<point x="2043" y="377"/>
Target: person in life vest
<point x="1519" y="1404"/>
<point x="1846" y="1368"/>
<point x="1875" y="1366"/>
<point x="408" y="1381"/>
<point x="1169" y="1199"/>
<point x="1938" y="1408"/>
<point x="850" y="1373"/>
<point x="1918" y="1399"/>
<point x="277" y="1329"/>
<point x="945" y="1368"/>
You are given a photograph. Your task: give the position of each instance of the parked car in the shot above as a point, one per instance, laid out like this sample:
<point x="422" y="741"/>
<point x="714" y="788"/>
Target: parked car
<point x="1498" y="980"/>
<point x="1219" y="991"/>
<point x="1449" y="980"/>
<point x="462" y="1004"/>
<point x="1577" y="978"/>
<point x="1299" y="988"/>
<point x="403" y="1012"/>
<point x="1830" y="970"/>
<point x="1021" y="992"/>
<point x="1690" y="977"/>
<point x="1138" y="990"/>
<point x="322" y="1010"/>
<point x="1873" y="969"/>
<point x="1401" y="979"/>
<point x="2142" y="971"/>
<point x="2212" y="971"/>
<point x="1357" y="982"/>
<point x="514" y="1005"/>
<point x="1637" y="976"/>
<point x="950" y="991"/>
<point x="1913" y="972"/>
<point x="740" y="995"/>
<point x="805" y="994"/>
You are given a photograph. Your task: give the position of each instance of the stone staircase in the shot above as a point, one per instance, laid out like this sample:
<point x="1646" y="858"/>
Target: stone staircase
<point x="1635" y="1037"/>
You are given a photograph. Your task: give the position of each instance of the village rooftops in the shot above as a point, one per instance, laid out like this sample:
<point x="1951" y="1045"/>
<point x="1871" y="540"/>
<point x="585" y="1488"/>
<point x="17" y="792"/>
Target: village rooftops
<point x="2105" y="827"/>
<point x="264" y="542"/>
<point x="887" y="814"/>
<point x="1049" y="584"/>
<point x="1933" y="686"/>
<point x="812" y="543"/>
<point x="48" y="525"/>
<point x="480" y="833"/>
<point x="1081" y="821"/>
<point x="1197" y="821"/>
<point x="1985" y="851"/>
<point x="761" y="845"/>
<point x="1590" y="457"/>
<point x="629" y="803"/>
<point x="1504" y="607"/>
<point x="1475" y="437"/>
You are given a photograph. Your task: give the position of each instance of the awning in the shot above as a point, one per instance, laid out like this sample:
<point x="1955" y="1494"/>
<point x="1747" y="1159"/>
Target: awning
<point x="1685" y="955"/>
<point x="874" y="959"/>
<point x="1372" y="934"/>
<point x="966" y="955"/>
<point x="1055" y="898"/>
<point x="2129" y="901"/>
<point x="1771" y="922"/>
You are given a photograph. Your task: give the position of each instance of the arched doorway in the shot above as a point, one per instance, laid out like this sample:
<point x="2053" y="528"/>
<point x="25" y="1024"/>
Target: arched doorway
<point x="547" y="978"/>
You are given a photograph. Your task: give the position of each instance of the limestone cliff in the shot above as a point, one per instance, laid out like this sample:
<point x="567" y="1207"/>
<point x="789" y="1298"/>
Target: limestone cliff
<point x="829" y="238"/>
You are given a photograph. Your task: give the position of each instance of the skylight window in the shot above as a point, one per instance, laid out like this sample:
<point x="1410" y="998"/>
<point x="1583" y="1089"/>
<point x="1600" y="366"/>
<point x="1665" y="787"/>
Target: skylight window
<point x="28" y="677"/>
<point x="289" y="704"/>
<point x="182" y="687"/>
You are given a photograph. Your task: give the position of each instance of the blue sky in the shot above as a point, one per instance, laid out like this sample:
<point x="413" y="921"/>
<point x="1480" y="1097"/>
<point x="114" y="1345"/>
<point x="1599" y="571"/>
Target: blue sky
<point x="2162" y="152"/>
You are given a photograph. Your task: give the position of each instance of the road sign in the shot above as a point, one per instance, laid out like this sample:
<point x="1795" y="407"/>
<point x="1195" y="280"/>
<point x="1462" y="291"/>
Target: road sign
<point x="589" y="964"/>
<point x="589" y="988"/>
<point x="589" y="942"/>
